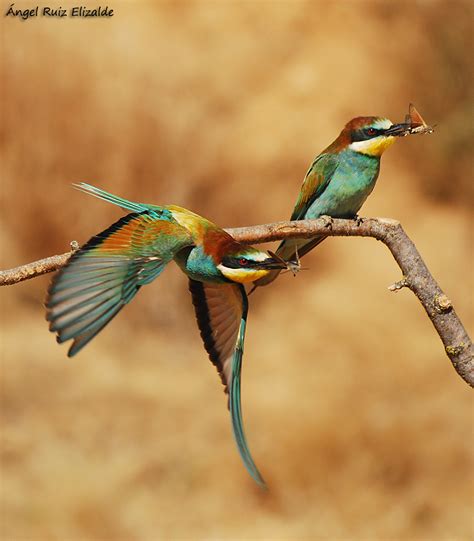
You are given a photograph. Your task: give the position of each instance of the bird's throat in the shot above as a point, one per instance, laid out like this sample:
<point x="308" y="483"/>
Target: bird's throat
<point x="373" y="147"/>
<point x="242" y="276"/>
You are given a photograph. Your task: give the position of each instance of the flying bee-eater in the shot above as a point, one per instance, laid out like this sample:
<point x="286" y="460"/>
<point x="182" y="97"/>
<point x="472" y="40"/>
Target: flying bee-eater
<point x="107" y="272"/>
<point x="340" y="179"/>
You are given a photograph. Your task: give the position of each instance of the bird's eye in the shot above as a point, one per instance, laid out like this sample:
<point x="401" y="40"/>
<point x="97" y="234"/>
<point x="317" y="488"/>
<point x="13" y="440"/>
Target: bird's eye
<point x="371" y="131"/>
<point x="243" y="261"/>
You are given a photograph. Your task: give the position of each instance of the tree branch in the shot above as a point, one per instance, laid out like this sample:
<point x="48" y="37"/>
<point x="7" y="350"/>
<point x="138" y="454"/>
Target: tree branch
<point x="416" y="275"/>
<point x="37" y="268"/>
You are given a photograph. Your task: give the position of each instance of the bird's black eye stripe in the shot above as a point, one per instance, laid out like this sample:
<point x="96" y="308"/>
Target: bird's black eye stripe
<point x="236" y="262"/>
<point x="364" y="134"/>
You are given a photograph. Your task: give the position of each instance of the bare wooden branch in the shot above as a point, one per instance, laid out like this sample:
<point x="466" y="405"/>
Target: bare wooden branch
<point x="416" y="275"/>
<point x="37" y="268"/>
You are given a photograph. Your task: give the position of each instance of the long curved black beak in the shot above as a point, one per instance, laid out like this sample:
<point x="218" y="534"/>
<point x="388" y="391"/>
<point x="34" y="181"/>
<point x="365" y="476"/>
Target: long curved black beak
<point x="398" y="130"/>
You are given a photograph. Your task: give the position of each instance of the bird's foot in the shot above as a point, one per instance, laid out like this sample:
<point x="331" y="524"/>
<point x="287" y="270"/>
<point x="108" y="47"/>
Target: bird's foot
<point x="327" y="221"/>
<point x="358" y="220"/>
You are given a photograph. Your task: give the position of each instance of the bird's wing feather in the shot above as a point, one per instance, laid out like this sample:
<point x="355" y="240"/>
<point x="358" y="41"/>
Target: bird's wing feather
<point x="315" y="182"/>
<point x="107" y="272"/>
<point x="221" y="313"/>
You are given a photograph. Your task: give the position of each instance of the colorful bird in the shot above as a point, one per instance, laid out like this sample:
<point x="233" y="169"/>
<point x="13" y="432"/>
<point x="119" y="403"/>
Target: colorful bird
<point x="340" y="179"/>
<point x="107" y="272"/>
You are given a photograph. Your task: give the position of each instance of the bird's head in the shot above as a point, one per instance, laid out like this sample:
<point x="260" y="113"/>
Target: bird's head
<point x="369" y="135"/>
<point x="247" y="264"/>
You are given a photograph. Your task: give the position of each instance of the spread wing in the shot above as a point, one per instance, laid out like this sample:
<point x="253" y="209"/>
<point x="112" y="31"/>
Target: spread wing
<point x="221" y="312"/>
<point x="315" y="182"/>
<point x="107" y="272"/>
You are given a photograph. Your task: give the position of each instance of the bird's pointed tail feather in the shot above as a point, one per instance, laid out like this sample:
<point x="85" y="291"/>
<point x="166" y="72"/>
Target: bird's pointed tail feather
<point x="235" y="408"/>
<point x="110" y="198"/>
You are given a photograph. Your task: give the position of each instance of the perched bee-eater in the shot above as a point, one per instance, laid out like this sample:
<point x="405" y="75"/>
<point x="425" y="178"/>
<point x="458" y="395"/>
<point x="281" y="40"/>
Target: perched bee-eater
<point x="107" y="272"/>
<point x="340" y="179"/>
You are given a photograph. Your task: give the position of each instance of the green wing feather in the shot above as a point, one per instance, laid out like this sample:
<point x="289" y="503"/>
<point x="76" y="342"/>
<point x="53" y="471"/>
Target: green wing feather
<point x="315" y="182"/>
<point x="107" y="272"/>
<point x="221" y="313"/>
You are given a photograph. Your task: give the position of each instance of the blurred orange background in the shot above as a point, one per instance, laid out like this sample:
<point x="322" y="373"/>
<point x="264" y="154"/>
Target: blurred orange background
<point x="354" y="414"/>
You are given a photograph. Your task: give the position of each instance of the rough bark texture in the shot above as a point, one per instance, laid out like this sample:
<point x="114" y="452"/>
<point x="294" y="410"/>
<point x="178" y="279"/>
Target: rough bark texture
<point x="416" y="275"/>
<point x="37" y="268"/>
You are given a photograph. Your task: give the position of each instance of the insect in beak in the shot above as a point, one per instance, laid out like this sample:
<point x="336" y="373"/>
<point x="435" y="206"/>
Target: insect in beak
<point x="414" y="123"/>
<point x="398" y="130"/>
<point x="293" y="266"/>
<point x="417" y="123"/>
<point x="274" y="262"/>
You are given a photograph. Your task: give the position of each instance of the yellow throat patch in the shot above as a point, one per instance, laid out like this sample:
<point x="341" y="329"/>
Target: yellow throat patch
<point x="243" y="276"/>
<point x="373" y="147"/>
